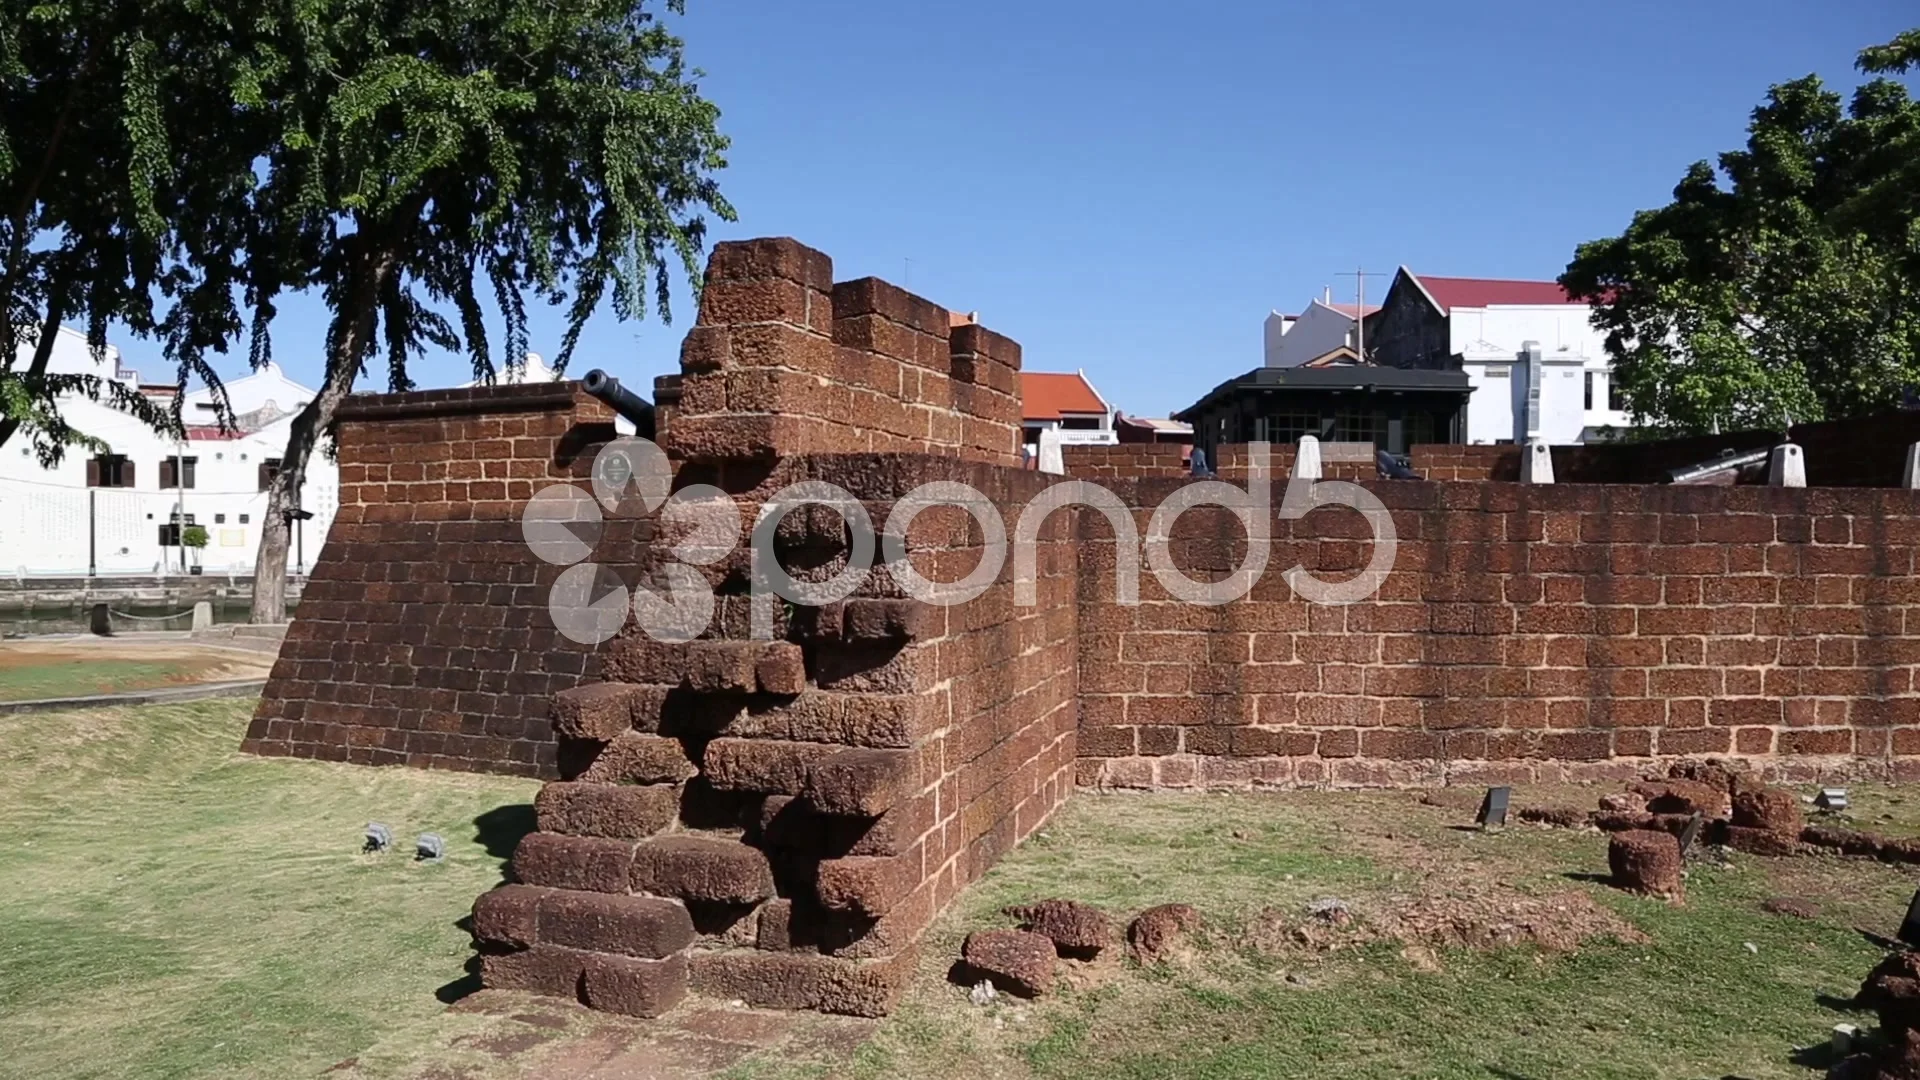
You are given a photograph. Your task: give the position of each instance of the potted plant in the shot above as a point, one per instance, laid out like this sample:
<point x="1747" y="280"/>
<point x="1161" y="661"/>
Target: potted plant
<point x="194" y="538"/>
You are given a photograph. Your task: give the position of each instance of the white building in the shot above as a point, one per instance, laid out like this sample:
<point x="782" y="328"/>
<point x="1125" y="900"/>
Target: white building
<point x="1483" y="327"/>
<point x="1298" y="340"/>
<point x="1061" y="409"/>
<point x="116" y="512"/>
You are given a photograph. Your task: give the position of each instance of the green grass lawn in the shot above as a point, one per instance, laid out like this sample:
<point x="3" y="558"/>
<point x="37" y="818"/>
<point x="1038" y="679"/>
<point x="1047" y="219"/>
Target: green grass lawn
<point x="1692" y="1001"/>
<point x="170" y="908"/>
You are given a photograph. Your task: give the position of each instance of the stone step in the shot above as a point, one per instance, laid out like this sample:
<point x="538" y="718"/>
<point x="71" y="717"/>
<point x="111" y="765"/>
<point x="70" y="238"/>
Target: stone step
<point x="521" y="916"/>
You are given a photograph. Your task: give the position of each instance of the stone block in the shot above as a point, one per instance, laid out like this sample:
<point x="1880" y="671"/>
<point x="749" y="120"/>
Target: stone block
<point x="1645" y="862"/>
<point x="613" y="811"/>
<point x="781" y="669"/>
<point x="636" y="758"/>
<point x="1769" y="809"/>
<point x="508" y="915"/>
<point x="644" y="926"/>
<point x="698" y="868"/>
<point x="1076" y="929"/>
<point x="542" y="969"/>
<point x="861" y="782"/>
<point x="1016" y="961"/>
<point x="867" y="884"/>
<point x="596" y="711"/>
<point x="630" y="986"/>
<point x="722" y="666"/>
<point x="791" y="980"/>
<point x="766" y="766"/>
<point x="572" y="862"/>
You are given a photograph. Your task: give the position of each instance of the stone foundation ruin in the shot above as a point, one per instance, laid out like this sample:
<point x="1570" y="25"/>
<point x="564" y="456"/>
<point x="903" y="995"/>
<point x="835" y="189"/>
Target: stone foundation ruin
<point x="779" y="820"/>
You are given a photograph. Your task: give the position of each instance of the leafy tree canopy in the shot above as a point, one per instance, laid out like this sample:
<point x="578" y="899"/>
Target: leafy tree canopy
<point x="124" y="173"/>
<point x="1785" y="284"/>
<point x="557" y="150"/>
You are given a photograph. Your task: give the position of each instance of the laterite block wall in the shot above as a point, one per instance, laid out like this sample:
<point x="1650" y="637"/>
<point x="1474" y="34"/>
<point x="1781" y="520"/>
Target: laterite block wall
<point x="1524" y="633"/>
<point x="423" y="636"/>
<point x="779" y="821"/>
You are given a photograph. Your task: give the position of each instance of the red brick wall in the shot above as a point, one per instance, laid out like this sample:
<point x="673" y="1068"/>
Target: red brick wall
<point x="1524" y="632"/>
<point x="423" y="636"/>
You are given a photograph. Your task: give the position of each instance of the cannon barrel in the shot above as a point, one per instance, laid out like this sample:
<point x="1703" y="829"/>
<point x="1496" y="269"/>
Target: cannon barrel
<point x="637" y="410"/>
<point x="1723" y="469"/>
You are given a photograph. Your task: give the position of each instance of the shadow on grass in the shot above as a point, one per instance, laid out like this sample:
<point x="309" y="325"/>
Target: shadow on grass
<point x="499" y="830"/>
<point x="466" y="984"/>
<point x="1583" y="875"/>
<point x="1817" y="1056"/>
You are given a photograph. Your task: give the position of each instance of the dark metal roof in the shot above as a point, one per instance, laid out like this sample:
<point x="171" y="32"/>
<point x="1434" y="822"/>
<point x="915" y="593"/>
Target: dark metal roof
<point x="1351" y="377"/>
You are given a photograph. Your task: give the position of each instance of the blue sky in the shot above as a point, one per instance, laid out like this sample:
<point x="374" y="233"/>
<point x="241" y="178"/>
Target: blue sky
<point x="1129" y="189"/>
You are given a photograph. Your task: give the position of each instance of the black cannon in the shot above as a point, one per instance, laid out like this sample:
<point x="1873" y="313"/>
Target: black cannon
<point x="1724" y="471"/>
<point x="637" y="410"/>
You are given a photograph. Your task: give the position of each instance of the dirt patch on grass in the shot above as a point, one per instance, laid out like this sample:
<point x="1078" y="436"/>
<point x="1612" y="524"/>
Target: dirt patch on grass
<point x="1792" y="906"/>
<point x="1470" y="919"/>
<point x="82" y="667"/>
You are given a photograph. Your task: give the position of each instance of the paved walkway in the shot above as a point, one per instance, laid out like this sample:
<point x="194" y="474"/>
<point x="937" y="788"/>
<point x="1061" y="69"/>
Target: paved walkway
<point x="701" y="1038"/>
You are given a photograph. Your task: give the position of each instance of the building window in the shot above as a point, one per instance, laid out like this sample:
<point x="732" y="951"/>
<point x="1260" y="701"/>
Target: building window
<point x="170" y="532"/>
<point x="1288" y="427"/>
<point x="243" y="518"/>
<point x="1357" y="426"/>
<point x="1419" y="428"/>
<point x="219" y="519"/>
<point x="1079" y="423"/>
<point x="177" y="472"/>
<point x="109" y="471"/>
<point x="1616" y="400"/>
<point x="269" y="468"/>
<point x="1587" y="401"/>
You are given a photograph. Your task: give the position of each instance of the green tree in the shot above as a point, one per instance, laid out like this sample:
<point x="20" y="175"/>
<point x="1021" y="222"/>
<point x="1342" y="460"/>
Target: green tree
<point x="124" y="170"/>
<point x="558" y="149"/>
<point x="1783" y="285"/>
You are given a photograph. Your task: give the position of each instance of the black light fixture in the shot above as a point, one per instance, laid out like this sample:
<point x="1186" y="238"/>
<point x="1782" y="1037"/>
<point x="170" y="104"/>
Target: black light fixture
<point x="1832" y="799"/>
<point x="429" y="848"/>
<point x="295" y="519"/>
<point x="379" y="837"/>
<point x="1493" y="808"/>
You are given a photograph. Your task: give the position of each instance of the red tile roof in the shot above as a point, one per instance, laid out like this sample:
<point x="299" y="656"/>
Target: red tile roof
<point x="1046" y="395"/>
<point x="1453" y="292"/>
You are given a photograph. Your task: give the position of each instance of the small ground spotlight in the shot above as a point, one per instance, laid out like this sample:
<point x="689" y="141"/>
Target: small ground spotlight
<point x="379" y="837"/>
<point x="429" y="848"/>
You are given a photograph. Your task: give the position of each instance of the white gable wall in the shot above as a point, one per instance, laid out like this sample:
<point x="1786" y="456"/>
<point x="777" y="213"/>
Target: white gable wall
<point x="1319" y="330"/>
<point x="1570" y="348"/>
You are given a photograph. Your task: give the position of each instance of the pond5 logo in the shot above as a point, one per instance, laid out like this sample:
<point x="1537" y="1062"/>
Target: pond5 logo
<point x="631" y="477"/>
<point x="700" y="525"/>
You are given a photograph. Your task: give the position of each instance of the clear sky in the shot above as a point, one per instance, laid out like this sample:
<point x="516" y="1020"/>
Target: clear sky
<point x="1129" y="188"/>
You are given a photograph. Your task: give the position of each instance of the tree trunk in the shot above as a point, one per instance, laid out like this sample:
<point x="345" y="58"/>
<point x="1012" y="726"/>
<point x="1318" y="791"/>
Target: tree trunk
<point x="343" y="364"/>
